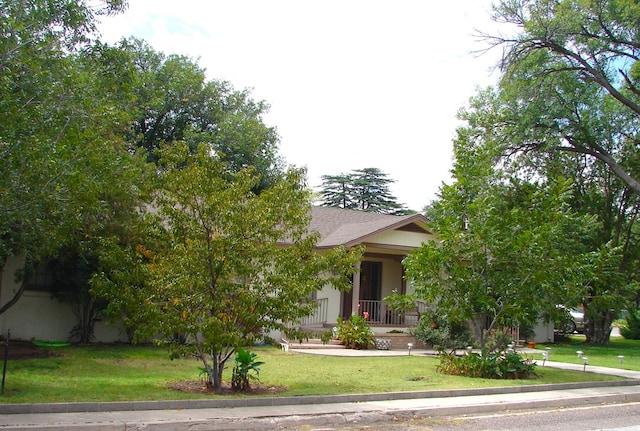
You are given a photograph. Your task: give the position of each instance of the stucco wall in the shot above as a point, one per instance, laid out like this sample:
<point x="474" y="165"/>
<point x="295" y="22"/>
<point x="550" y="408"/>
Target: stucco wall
<point x="402" y="238"/>
<point x="37" y="316"/>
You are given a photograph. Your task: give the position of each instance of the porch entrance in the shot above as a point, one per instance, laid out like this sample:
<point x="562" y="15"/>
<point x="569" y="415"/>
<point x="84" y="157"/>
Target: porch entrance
<point x="370" y="290"/>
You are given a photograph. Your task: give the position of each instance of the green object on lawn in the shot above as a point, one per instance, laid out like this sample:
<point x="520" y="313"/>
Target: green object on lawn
<point x="41" y="343"/>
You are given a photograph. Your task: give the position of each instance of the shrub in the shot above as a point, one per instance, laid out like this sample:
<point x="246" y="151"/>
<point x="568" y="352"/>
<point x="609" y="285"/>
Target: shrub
<point x="436" y="330"/>
<point x="496" y="365"/>
<point x="246" y="364"/>
<point x="631" y="331"/>
<point x="355" y="332"/>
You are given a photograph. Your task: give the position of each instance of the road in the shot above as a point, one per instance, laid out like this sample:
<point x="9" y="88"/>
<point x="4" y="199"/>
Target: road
<point x="617" y="417"/>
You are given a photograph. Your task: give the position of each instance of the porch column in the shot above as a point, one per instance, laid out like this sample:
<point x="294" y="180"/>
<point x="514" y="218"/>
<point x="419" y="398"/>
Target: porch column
<point x="355" y="293"/>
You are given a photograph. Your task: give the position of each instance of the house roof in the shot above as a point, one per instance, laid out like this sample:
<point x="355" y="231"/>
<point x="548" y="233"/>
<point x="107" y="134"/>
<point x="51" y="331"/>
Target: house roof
<point x="348" y="228"/>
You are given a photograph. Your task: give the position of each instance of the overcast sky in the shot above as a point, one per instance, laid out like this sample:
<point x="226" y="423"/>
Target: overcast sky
<point x="352" y="83"/>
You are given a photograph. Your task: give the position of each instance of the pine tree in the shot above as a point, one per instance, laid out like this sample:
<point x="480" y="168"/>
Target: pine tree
<point x="363" y="190"/>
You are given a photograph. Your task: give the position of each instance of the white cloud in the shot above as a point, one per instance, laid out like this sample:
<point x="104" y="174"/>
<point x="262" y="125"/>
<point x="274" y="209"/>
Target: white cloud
<point x="351" y="83"/>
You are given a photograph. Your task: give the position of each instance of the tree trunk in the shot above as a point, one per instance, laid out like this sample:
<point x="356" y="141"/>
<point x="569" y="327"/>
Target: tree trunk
<point x="217" y="369"/>
<point x="18" y="294"/>
<point x="598" y="330"/>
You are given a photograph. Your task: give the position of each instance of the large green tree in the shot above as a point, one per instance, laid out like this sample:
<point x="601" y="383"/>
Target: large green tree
<point x="237" y="264"/>
<point x="58" y="142"/>
<point x="174" y="102"/>
<point x="509" y="246"/>
<point x="569" y="104"/>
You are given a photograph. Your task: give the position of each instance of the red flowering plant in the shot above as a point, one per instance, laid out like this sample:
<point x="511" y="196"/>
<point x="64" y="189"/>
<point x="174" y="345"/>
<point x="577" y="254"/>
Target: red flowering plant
<point x="355" y="333"/>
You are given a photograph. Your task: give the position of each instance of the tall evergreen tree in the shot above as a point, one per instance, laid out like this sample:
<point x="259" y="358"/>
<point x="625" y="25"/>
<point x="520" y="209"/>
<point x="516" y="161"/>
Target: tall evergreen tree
<point x="363" y="190"/>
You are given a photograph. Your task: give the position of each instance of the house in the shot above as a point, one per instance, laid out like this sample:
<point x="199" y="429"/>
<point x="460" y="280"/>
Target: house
<point x="387" y="240"/>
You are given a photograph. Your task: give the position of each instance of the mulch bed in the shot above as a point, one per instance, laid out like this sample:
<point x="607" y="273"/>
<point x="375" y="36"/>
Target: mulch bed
<point x="199" y="387"/>
<point x="26" y="350"/>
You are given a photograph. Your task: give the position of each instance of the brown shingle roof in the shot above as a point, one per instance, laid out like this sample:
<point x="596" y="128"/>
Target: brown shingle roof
<point x="347" y="227"/>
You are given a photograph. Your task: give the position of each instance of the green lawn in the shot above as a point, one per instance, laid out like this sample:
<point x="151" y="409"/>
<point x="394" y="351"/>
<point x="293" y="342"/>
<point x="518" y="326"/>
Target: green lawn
<point x="117" y="373"/>
<point x="604" y="356"/>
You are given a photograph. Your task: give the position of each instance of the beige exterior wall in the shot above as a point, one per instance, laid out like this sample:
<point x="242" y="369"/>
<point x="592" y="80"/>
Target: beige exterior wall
<point x="333" y="308"/>
<point x="36" y="316"/>
<point x="401" y="238"/>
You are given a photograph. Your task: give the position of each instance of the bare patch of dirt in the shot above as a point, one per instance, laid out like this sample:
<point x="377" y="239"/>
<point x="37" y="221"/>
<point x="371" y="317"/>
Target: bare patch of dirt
<point x="27" y="350"/>
<point x="199" y="387"/>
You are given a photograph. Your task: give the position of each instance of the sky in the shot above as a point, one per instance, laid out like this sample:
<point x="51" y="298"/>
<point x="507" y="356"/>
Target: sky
<point x="352" y="84"/>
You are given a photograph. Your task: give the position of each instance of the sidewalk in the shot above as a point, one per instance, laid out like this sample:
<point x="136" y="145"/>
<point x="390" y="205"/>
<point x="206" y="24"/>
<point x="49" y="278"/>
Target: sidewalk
<point x="270" y="413"/>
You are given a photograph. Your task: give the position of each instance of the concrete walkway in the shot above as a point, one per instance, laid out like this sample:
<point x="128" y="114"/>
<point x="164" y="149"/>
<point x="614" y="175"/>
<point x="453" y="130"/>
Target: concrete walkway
<point x="271" y="413"/>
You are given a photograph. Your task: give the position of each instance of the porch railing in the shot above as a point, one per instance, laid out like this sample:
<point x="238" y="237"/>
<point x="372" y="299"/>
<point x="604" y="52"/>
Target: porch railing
<point x="380" y="314"/>
<point x="319" y="316"/>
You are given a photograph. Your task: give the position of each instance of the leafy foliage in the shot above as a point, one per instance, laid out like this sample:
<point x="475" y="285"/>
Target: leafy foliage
<point x="571" y="66"/>
<point x="355" y="332"/>
<point x="497" y="365"/>
<point x="245" y="370"/>
<point x="174" y="102"/>
<point x="631" y="331"/>
<point x="65" y="176"/>
<point x="509" y="247"/>
<point x="437" y="330"/>
<point x="236" y="265"/>
<point x="568" y="104"/>
<point x="71" y="274"/>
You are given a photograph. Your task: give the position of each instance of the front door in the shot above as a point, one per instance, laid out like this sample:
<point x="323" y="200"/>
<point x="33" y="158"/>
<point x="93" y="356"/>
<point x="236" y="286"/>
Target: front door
<point x="370" y="274"/>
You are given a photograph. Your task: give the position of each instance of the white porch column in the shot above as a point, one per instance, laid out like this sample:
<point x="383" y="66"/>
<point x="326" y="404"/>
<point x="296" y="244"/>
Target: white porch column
<point x="355" y="293"/>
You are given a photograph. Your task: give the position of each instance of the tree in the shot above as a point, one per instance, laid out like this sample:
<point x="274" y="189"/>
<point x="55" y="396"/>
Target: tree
<point x="577" y="58"/>
<point x="54" y="122"/>
<point x="509" y="246"/>
<point x="175" y="102"/>
<point x="336" y="191"/>
<point x="570" y="92"/>
<point x="237" y="264"/>
<point x="363" y="190"/>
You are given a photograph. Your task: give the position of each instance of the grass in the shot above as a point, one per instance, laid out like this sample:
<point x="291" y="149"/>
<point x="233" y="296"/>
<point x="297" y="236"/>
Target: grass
<point x="131" y="373"/>
<point x="603" y="356"/>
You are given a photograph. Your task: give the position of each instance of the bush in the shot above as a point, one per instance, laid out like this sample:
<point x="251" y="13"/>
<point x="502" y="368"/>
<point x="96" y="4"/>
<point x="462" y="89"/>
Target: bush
<point x="355" y="332"/>
<point x="436" y="330"/>
<point x="631" y="331"/>
<point x="497" y="365"/>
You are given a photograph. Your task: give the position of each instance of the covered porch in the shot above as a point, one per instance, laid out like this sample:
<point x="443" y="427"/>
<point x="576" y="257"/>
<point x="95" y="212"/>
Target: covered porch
<point x="379" y="276"/>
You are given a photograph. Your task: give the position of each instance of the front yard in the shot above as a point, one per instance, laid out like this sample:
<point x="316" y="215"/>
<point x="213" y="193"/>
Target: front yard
<point x="122" y="372"/>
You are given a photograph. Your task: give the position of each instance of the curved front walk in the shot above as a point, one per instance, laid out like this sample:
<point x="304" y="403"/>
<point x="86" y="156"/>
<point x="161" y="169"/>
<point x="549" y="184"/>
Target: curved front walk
<point x="270" y="413"/>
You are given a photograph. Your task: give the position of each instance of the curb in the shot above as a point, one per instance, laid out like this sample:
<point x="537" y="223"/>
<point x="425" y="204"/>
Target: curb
<point x="347" y="414"/>
<point x="89" y="407"/>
